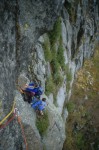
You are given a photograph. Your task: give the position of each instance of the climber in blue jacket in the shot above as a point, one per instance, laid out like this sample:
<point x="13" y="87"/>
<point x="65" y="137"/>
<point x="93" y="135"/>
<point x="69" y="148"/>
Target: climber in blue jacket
<point x="35" y="89"/>
<point x="39" y="105"/>
<point x="30" y="90"/>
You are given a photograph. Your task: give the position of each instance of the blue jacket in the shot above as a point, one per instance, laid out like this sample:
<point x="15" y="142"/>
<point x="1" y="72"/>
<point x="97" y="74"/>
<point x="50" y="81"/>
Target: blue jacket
<point x="35" y="90"/>
<point x="40" y="105"/>
<point x="34" y="100"/>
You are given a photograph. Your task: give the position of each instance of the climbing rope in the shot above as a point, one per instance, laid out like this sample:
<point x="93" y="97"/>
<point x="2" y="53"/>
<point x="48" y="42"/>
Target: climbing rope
<point x="3" y="126"/>
<point x="1" y="122"/>
<point x="22" y="128"/>
<point x="15" y="114"/>
<point x="24" y="137"/>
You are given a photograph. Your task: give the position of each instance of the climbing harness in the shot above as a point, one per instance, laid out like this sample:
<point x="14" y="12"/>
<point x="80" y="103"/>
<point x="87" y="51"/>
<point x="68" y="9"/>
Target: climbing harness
<point x="15" y="113"/>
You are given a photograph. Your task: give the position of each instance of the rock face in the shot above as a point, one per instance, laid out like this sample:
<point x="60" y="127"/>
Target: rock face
<point x="21" y="52"/>
<point x="33" y="19"/>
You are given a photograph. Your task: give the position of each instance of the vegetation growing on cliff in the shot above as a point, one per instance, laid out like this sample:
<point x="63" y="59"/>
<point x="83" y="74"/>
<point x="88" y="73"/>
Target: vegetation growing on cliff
<point x="47" y="51"/>
<point x="54" y="53"/>
<point x="55" y="38"/>
<point x="60" y="54"/>
<point x="55" y="34"/>
<point x="68" y="77"/>
<point x="83" y="121"/>
<point x="55" y="56"/>
<point x="42" y="123"/>
<point x="50" y="87"/>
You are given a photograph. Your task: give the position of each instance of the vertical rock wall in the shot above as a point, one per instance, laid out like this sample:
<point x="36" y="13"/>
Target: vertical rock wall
<point x="21" y="24"/>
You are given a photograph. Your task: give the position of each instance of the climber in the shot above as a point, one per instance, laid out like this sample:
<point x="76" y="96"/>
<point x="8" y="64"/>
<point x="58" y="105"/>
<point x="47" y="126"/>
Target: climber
<point x="39" y="105"/>
<point x="34" y="89"/>
<point x="34" y="100"/>
<point x="30" y="90"/>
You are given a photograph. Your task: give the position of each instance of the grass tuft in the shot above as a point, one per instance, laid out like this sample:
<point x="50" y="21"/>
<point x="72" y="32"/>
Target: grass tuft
<point x="49" y="86"/>
<point x="42" y="123"/>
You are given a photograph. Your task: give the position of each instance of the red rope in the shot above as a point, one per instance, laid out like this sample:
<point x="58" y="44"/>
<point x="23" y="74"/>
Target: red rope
<point x="3" y="126"/>
<point x="19" y="121"/>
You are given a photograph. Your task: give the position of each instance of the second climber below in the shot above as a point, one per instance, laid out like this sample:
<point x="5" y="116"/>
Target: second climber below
<point x="39" y="105"/>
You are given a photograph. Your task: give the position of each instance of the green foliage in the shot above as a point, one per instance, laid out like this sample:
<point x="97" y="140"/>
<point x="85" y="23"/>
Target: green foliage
<point x="44" y="147"/>
<point x="58" y="79"/>
<point x="53" y="50"/>
<point x="60" y="55"/>
<point x="49" y="86"/>
<point x="69" y="76"/>
<point x="92" y="94"/>
<point x="67" y="86"/>
<point x="42" y="123"/>
<point x="55" y="57"/>
<point x="80" y="140"/>
<point x="68" y="73"/>
<point x="54" y="35"/>
<point x="47" y="51"/>
<point x="70" y="106"/>
<point x="55" y="66"/>
<point x="79" y="137"/>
